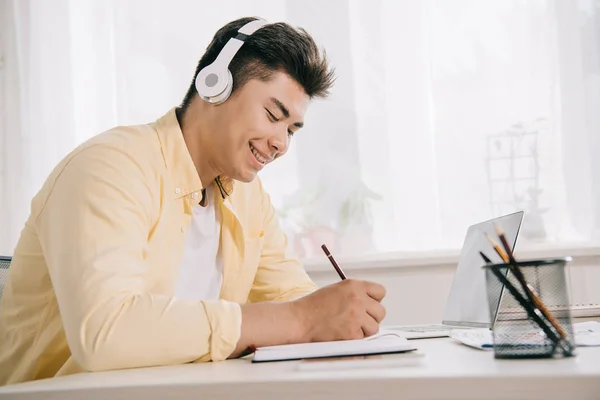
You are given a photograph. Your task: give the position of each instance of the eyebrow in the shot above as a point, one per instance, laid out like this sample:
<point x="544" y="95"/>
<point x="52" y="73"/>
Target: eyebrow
<point x="285" y="111"/>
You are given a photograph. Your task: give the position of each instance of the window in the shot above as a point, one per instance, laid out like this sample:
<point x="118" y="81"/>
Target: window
<point x="445" y="113"/>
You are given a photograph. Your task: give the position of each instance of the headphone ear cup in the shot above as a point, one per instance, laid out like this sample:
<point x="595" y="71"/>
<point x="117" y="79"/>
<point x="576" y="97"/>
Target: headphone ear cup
<point x="224" y="95"/>
<point x="212" y="82"/>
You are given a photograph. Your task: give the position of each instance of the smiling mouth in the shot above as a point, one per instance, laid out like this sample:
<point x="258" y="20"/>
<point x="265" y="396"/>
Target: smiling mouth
<point x="259" y="157"/>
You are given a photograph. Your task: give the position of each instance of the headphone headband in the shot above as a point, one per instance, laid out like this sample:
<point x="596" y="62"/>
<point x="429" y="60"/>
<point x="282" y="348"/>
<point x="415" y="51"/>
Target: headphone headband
<point x="214" y="82"/>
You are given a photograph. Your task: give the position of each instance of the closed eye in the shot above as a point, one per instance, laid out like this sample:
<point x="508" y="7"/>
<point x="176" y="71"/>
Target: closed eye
<point x="272" y="117"/>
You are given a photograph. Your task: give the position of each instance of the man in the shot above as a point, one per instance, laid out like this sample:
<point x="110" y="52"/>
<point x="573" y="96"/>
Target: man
<point x="156" y="244"/>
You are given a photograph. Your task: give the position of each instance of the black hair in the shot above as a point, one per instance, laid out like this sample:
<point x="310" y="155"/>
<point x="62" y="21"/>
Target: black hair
<point x="274" y="47"/>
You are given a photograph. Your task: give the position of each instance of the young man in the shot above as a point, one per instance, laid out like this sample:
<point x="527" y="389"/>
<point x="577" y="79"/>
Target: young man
<point x="156" y="244"/>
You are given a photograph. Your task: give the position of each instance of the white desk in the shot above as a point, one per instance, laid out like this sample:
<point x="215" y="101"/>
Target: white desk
<point x="446" y="370"/>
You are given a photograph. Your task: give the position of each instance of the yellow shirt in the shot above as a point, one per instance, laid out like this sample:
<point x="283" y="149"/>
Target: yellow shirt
<point x="91" y="284"/>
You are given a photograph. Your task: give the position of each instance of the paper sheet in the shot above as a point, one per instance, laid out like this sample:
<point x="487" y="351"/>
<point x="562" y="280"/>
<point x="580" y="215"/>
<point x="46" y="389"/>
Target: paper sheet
<point x="586" y="334"/>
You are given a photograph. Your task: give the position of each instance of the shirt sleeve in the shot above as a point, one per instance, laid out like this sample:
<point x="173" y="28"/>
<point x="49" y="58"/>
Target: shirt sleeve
<point x="279" y="276"/>
<point x="94" y="229"/>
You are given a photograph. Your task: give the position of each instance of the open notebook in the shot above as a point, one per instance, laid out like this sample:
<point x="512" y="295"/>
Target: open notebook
<point x="381" y="343"/>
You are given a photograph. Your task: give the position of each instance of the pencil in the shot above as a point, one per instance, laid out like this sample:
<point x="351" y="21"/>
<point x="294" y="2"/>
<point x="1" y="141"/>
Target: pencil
<point x="485" y="258"/>
<point x="497" y="248"/>
<point x="505" y="244"/>
<point x="334" y="263"/>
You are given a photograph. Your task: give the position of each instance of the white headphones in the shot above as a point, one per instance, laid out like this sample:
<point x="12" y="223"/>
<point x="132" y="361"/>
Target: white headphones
<point x="214" y="82"/>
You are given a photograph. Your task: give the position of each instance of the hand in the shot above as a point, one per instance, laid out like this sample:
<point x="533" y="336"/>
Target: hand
<point x="350" y="309"/>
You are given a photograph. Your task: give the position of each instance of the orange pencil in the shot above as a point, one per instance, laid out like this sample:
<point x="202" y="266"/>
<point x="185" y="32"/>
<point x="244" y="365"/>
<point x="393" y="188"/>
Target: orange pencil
<point x="496" y="247"/>
<point x="505" y="244"/>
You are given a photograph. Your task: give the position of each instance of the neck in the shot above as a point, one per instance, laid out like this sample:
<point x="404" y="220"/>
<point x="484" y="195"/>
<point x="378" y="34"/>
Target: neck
<point x="193" y="123"/>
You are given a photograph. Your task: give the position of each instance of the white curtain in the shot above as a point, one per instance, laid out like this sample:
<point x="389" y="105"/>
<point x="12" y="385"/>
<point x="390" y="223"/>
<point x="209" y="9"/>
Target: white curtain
<point x="445" y="112"/>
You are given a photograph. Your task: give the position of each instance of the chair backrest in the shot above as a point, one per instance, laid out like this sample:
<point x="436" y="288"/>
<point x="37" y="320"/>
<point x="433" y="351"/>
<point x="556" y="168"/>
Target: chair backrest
<point x="4" y="264"/>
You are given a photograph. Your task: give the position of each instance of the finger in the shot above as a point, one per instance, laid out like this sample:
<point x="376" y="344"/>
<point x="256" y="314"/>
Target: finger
<point x="376" y="310"/>
<point x="375" y="290"/>
<point x="369" y="326"/>
<point x="358" y="334"/>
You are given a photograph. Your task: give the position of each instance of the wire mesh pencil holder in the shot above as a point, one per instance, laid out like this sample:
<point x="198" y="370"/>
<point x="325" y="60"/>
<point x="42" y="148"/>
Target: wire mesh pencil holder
<point x="538" y="324"/>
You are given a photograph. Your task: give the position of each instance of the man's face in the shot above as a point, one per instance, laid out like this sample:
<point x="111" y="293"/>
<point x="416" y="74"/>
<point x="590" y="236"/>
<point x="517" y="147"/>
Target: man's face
<point x="255" y="125"/>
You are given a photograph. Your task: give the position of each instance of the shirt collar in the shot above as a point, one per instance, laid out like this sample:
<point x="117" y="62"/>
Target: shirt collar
<point x="178" y="160"/>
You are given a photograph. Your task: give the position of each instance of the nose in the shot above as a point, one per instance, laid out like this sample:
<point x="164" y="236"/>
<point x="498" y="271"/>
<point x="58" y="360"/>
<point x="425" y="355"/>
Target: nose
<point x="278" y="143"/>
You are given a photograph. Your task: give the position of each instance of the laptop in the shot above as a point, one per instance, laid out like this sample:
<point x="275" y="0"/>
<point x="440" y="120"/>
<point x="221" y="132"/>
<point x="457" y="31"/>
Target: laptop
<point x="467" y="304"/>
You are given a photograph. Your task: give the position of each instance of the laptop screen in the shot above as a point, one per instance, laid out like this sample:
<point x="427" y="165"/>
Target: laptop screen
<point x="467" y="303"/>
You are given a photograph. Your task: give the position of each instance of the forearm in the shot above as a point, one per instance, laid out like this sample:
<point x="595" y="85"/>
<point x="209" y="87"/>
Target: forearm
<point x="269" y="324"/>
<point x="148" y="330"/>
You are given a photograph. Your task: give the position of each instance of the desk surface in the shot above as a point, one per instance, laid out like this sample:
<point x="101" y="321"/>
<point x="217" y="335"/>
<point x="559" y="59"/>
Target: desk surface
<point x="443" y="369"/>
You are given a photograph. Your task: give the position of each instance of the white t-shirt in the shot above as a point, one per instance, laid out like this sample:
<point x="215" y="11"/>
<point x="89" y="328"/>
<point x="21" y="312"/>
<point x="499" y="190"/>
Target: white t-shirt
<point x="201" y="270"/>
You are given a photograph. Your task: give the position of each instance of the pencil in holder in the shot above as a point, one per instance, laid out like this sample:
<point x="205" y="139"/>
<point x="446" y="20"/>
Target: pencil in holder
<point x="529" y="306"/>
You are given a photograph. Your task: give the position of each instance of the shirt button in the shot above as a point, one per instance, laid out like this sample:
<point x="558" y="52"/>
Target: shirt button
<point x="177" y="190"/>
<point x="194" y="195"/>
